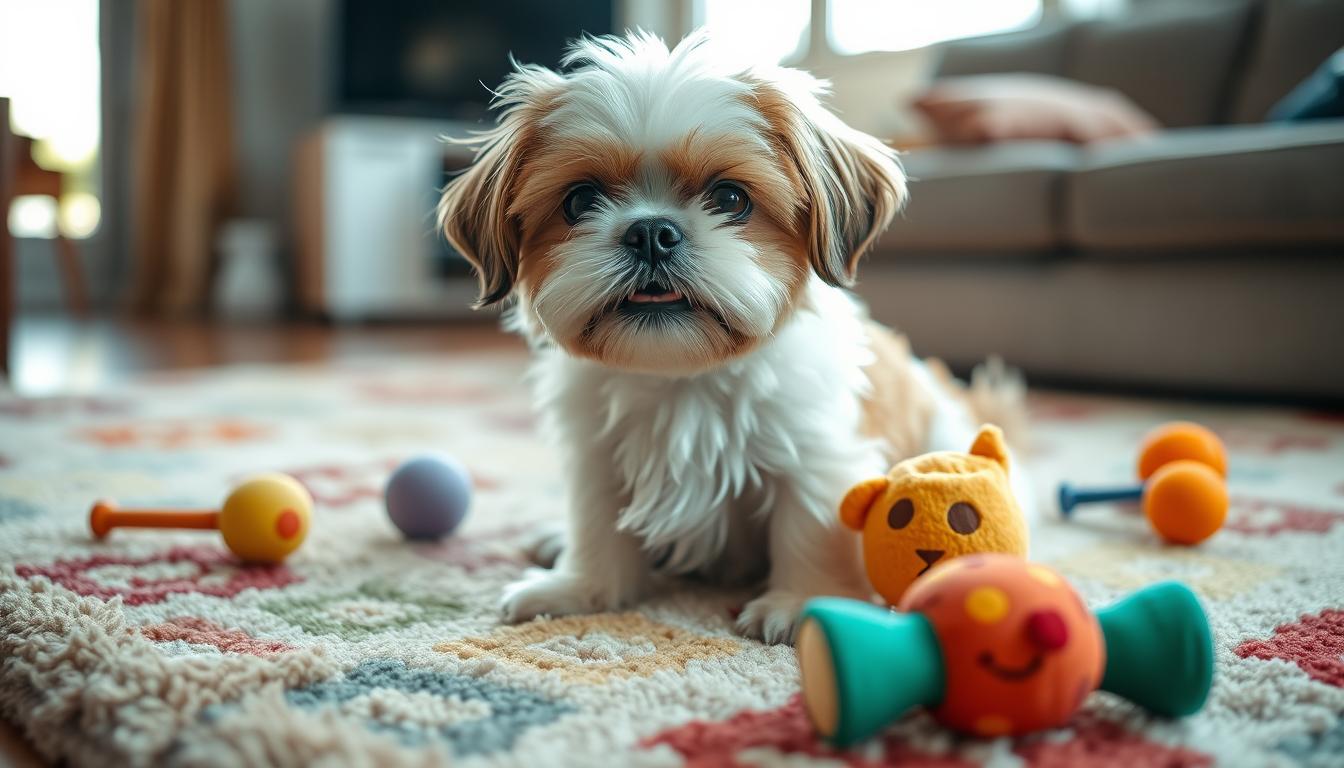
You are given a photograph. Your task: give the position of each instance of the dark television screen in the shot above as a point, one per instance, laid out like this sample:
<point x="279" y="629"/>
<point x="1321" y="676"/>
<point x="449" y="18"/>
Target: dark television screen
<point x="436" y="58"/>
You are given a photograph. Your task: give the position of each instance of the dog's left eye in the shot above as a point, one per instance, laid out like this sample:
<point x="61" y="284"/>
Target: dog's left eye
<point x="580" y="200"/>
<point x="727" y="197"/>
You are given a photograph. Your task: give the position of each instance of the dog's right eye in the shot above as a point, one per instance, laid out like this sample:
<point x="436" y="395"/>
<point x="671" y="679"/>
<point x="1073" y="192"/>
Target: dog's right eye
<point x="580" y="200"/>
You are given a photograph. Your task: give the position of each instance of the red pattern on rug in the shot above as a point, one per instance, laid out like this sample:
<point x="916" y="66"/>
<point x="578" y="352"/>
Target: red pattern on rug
<point x="217" y="574"/>
<point x="1103" y="744"/>
<point x="1269" y="443"/>
<point x="425" y="393"/>
<point x="785" y="730"/>
<point x="474" y="552"/>
<point x="198" y="631"/>
<point x="1314" y="643"/>
<point x="1266" y="517"/>
<point x="170" y="435"/>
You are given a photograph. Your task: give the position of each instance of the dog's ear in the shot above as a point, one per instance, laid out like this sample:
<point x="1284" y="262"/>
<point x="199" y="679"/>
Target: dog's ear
<point x="854" y="508"/>
<point x="473" y="212"/>
<point x="852" y="183"/>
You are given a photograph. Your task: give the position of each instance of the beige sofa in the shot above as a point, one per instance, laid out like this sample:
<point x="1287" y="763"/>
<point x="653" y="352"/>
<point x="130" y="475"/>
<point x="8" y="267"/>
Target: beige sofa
<point x="1207" y="259"/>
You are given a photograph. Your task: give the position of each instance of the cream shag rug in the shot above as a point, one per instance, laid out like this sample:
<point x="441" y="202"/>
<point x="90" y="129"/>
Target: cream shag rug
<point x="155" y="648"/>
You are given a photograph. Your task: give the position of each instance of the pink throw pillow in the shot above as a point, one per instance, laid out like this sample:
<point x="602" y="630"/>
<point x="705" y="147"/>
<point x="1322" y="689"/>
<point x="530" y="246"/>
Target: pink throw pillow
<point x="989" y="108"/>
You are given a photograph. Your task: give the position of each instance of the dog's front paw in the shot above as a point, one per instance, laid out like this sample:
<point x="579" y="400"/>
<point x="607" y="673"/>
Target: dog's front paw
<point x="552" y="593"/>
<point x="772" y="617"/>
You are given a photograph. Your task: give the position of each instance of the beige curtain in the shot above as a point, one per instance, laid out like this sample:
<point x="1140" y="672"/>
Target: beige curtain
<point x="183" y="169"/>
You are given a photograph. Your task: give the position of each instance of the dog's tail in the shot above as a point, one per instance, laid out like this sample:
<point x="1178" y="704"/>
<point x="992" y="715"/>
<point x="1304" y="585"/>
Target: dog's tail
<point x="997" y="394"/>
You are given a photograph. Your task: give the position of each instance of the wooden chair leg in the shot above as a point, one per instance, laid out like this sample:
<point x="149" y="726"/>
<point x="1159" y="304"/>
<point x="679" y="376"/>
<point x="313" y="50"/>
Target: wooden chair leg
<point x="6" y="291"/>
<point x="72" y="277"/>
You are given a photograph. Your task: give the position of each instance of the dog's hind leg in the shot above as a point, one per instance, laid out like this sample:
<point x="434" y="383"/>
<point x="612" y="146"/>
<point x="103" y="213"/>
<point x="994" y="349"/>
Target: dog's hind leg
<point x="544" y="545"/>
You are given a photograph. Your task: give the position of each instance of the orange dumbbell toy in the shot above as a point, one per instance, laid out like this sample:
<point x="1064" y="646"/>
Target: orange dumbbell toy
<point x="1182" y="468"/>
<point x="263" y="520"/>
<point x="994" y="645"/>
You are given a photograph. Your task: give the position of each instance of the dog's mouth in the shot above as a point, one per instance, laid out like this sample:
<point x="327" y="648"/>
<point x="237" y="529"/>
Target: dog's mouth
<point x="654" y="298"/>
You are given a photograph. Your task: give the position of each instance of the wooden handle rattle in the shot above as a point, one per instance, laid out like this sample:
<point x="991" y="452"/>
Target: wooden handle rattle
<point x="262" y="520"/>
<point x="105" y="516"/>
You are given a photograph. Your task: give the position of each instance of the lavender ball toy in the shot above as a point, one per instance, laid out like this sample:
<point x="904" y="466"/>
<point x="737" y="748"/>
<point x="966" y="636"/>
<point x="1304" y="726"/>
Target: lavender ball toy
<point x="427" y="496"/>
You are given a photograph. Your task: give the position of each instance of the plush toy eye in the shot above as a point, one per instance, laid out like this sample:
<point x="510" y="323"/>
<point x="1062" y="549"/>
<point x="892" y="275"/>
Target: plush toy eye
<point x="581" y="199"/>
<point x="963" y="518"/>
<point x="727" y="197"/>
<point x="902" y="512"/>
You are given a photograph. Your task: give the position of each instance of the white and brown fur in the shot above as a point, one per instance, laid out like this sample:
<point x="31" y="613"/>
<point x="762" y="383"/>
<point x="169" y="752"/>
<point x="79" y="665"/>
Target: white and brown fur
<point x="717" y="441"/>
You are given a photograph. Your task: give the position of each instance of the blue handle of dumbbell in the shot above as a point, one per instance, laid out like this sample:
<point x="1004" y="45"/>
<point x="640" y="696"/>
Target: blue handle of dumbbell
<point x="1070" y="497"/>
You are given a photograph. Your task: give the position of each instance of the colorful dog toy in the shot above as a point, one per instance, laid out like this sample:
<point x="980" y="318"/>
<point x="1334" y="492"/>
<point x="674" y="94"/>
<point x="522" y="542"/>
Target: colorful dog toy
<point x="994" y="645"/>
<point x="1181" y="467"/>
<point x="262" y="520"/>
<point x="427" y="496"/>
<point x="935" y="507"/>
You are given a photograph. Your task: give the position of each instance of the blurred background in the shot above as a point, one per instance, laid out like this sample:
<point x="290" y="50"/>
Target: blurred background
<point x="1131" y="195"/>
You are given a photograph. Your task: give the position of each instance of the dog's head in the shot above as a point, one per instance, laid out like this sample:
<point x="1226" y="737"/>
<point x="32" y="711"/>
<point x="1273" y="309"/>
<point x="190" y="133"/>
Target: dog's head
<point x="663" y="210"/>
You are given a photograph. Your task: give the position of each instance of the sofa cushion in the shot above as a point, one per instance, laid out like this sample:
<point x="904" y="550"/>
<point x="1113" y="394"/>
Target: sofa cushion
<point x="1293" y="38"/>
<point x="1039" y="50"/>
<point x="1211" y="187"/>
<point x="1176" y="63"/>
<point x="997" y="198"/>
<point x="982" y="109"/>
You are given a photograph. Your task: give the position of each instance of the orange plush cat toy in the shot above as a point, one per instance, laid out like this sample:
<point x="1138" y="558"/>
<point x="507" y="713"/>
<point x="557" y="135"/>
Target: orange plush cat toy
<point x="933" y="508"/>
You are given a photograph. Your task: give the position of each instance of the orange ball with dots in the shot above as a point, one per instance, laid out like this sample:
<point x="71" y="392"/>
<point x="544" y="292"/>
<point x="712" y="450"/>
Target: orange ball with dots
<point x="1020" y="650"/>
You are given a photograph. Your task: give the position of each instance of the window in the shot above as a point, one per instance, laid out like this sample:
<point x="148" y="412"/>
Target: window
<point x="777" y="31"/>
<point x="860" y="26"/>
<point x="49" y="70"/>
<point x="759" y="30"/>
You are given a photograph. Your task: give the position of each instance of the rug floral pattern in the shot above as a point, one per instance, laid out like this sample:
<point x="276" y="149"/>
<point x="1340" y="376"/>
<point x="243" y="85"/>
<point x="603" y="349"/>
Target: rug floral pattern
<point x="158" y="648"/>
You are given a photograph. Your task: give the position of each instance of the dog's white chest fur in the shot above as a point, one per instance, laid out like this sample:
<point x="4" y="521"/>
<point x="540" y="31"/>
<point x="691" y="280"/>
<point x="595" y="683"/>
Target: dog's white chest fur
<point x="689" y="454"/>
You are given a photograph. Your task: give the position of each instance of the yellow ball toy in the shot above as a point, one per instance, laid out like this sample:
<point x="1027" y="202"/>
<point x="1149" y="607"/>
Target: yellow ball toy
<point x="262" y="521"/>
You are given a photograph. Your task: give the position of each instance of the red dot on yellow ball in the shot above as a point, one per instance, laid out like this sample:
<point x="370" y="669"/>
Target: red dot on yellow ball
<point x="287" y="524"/>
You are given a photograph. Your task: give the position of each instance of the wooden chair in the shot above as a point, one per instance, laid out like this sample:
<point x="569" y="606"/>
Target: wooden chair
<point x="7" y="289"/>
<point x="21" y="175"/>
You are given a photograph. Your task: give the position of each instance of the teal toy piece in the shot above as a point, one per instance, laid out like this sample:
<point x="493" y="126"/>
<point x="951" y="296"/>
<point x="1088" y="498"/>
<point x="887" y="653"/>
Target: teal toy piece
<point x="1159" y="651"/>
<point x="876" y="682"/>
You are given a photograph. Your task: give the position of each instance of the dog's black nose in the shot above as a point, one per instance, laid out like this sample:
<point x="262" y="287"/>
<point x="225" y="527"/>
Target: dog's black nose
<point x="653" y="240"/>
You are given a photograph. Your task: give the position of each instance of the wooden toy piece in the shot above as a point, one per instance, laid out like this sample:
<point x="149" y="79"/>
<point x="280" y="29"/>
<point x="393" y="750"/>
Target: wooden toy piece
<point x="994" y="645"/>
<point x="1192" y="463"/>
<point x="263" y="520"/>
<point x="932" y="508"/>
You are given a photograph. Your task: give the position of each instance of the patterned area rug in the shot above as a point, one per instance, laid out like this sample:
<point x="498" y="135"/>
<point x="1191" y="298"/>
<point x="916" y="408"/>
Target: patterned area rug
<point x="154" y="647"/>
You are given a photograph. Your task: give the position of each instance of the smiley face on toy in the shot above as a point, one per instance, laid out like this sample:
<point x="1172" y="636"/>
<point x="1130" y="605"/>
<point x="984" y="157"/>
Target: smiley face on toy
<point x="1020" y="650"/>
<point x="932" y="508"/>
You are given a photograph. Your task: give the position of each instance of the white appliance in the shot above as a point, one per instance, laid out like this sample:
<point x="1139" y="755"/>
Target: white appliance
<point x="368" y="247"/>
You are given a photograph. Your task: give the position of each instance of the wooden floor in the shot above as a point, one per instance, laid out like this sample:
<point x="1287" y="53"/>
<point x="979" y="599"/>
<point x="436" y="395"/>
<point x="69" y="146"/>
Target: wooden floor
<point x="56" y="355"/>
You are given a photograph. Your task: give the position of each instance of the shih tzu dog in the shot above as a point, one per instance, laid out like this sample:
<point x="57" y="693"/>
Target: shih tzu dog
<point x="674" y="233"/>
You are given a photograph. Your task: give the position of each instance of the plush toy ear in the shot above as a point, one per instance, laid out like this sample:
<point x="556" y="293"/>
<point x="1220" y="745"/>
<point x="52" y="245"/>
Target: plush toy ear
<point x="854" y="509"/>
<point x="989" y="443"/>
